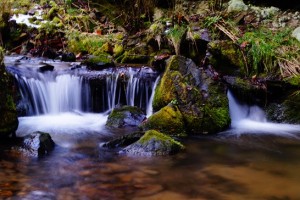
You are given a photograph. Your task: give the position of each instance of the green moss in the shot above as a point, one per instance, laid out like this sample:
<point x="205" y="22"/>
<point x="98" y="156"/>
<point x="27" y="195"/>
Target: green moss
<point x="166" y="90"/>
<point x="125" y="116"/>
<point x="153" y="134"/>
<point x="100" y="58"/>
<point x="118" y="50"/>
<point x="294" y="80"/>
<point x="79" y="42"/>
<point x="131" y="57"/>
<point x="226" y="57"/>
<point x="106" y="48"/>
<point x="168" y="120"/>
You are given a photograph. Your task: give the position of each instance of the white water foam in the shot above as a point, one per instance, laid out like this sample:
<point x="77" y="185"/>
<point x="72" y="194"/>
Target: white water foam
<point x="252" y="120"/>
<point x="64" y="125"/>
<point x="149" y="111"/>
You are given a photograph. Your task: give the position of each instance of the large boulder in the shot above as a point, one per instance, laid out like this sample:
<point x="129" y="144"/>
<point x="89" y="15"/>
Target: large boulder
<point x="9" y="121"/>
<point x="153" y="143"/>
<point x="168" y="120"/>
<point x="200" y="98"/>
<point x="125" y="116"/>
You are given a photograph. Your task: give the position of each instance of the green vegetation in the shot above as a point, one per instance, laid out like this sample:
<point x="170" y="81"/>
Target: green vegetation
<point x="176" y="34"/>
<point x="265" y="48"/>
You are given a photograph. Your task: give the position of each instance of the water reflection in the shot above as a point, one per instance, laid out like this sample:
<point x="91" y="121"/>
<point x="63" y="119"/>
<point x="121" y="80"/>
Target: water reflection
<point x="247" y="167"/>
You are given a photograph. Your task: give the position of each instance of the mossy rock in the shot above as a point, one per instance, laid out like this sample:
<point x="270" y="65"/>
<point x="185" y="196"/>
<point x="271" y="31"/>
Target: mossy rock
<point x="99" y="62"/>
<point x="154" y="143"/>
<point x="107" y="48"/>
<point x="226" y="57"/>
<point x="168" y="120"/>
<point x="201" y="100"/>
<point x="125" y="116"/>
<point x="131" y="57"/>
<point x="9" y="120"/>
<point x="118" y="50"/>
<point x="286" y="111"/>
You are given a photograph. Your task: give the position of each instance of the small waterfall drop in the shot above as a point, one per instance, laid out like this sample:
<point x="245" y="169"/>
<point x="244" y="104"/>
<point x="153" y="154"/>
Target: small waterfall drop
<point x="49" y="94"/>
<point x="150" y="106"/>
<point x="247" y="119"/>
<point x="70" y="101"/>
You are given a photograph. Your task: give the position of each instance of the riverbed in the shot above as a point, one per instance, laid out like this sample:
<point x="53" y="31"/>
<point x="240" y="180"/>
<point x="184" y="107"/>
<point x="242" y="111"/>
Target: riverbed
<point x="218" y="167"/>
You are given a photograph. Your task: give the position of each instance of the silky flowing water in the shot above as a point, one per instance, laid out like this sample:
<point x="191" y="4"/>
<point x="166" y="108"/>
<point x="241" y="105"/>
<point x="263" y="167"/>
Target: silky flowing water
<point x="252" y="160"/>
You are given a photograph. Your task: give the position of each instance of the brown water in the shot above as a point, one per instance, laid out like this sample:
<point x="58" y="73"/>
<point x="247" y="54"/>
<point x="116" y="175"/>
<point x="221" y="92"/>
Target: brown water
<point x="246" y="167"/>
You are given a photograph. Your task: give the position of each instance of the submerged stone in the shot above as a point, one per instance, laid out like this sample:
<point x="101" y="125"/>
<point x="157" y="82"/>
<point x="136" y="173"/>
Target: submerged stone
<point x="125" y="116"/>
<point x="124" y="140"/>
<point x="37" y="144"/>
<point x="154" y="143"/>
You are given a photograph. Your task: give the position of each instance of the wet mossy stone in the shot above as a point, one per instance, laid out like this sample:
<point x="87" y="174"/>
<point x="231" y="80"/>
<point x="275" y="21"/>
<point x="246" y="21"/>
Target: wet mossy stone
<point x="125" y="116"/>
<point x="68" y="57"/>
<point x="200" y="98"/>
<point x="286" y="111"/>
<point x="153" y="143"/>
<point x="226" y="57"/>
<point x="168" y="120"/>
<point x="9" y="120"/>
<point x="99" y="62"/>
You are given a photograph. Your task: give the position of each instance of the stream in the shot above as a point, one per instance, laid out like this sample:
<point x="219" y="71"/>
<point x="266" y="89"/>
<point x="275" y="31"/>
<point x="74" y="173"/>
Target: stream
<point x="254" y="159"/>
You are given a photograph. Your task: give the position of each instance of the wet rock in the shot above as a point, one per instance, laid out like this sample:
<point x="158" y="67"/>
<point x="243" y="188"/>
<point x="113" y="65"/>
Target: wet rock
<point x="46" y="67"/>
<point x="198" y="94"/>
<point x="68" y="57"/>
<point x="125" y="116"/>
<point x="100" y="62"/>
<point x="123" y="141"/>
<point x="285" y="111"/>
<point x="153" y="143"/>
<point x="226" y="57"/>
<point x="9" y="121"/>
<point x="38" y="144"/>
<point x="168" y="120"/>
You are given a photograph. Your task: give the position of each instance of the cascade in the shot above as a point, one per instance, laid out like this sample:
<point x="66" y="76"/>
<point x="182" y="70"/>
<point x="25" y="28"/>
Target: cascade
<point x="50" y="94"/>
<point x="247" y="119"/>
<point x="69" y="100"/>
<point x="149" y="111"/>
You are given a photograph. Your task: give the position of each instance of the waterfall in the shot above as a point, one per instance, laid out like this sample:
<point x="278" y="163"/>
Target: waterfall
<point x="74" y="100"/>
<point x="247" y="119"/>
<point x="49" y="94"/>
<point x="150" y="106"/>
